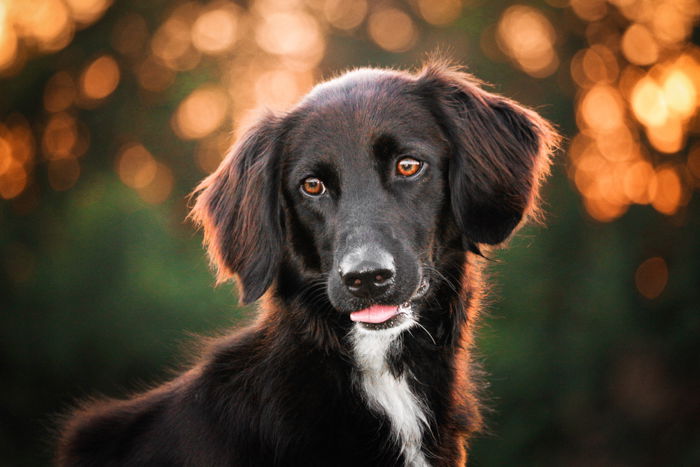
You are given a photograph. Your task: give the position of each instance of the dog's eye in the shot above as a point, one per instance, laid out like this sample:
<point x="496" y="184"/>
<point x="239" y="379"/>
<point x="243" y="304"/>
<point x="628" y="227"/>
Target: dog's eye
<point x="408" y="166"/>
<point x="312" y="186"/>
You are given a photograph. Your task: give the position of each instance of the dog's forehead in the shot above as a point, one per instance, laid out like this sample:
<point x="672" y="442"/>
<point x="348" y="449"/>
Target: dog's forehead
<point x="352" y="111"/>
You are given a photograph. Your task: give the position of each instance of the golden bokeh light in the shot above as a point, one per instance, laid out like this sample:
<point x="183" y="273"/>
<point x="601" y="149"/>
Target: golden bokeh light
<point x="172" y="41"/>
<point x="649" y="102"/>
<point x="100" y="78"/>
<point x="680" y="93"/>
<point x="639" y="45"/>
<point x="136" y="166"/>
<point x="214" y="31"/>
<point x="527" y="36"/>
<point x="439" y="12"/>
<point x="202" y="112"/>
<point x="294" y="35"/>
<point x="392" y="29"/>
<point x="8" y="44"/>
<point x="280" y="88"/>
<point x="639" y="183"/>
<point x="668" y="137"/>
<point x="345" y="15"/>
<point x="60" y="92"/>
<point x="669" y="191"/>
<point x="651" y="277"/>
<point x="13" y="180"/>
<point x="30" y="26"/>
<point x="87" y="11"/>
<point x="602" y="108"/>
<point x="618" y="145"/>
<point x="589" y="10"/>
<point x="47" y="22"/>
<point x="60" y="136"/>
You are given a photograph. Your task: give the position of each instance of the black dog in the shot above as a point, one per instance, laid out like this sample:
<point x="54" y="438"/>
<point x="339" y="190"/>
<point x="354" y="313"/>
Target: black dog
<point x="359" y="216"/>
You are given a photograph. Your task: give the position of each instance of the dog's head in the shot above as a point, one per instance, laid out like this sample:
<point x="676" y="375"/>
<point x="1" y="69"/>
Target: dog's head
<point x="366" y="182"/>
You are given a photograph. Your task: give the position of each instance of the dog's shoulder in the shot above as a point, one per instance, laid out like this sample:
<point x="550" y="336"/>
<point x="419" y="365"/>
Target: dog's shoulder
<point x="165" y="425"/>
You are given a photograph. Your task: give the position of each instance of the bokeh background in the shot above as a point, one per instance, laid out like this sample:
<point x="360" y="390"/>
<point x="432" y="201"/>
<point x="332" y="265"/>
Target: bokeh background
<point x="110" y="113"/>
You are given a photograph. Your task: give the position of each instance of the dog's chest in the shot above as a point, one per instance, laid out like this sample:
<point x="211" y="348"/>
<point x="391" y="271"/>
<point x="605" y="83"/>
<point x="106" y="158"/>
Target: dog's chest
<point x="389" y="395"/>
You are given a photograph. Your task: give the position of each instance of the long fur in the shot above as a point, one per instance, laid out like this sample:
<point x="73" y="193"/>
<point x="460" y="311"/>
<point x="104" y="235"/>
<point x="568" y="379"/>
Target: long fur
<point x="303" y="384"/>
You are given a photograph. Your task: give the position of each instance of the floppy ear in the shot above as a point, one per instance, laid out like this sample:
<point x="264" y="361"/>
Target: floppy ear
<point x="500" y="153"/>
<point x="238" y="207"/>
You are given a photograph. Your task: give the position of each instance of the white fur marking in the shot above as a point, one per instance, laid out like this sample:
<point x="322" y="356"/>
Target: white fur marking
<point x="387" y="394"/>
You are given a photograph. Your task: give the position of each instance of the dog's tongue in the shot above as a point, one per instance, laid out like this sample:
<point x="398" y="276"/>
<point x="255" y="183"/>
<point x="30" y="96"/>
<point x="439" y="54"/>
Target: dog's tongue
<point x="375" y="314"/>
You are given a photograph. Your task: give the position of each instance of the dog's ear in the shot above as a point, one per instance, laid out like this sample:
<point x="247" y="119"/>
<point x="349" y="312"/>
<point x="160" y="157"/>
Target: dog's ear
<point x="500" y="153"/>
<point x="239" y="210"/>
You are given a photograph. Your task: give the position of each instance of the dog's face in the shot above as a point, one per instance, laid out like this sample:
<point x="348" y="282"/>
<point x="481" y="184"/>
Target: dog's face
<point x="365" y="184"/>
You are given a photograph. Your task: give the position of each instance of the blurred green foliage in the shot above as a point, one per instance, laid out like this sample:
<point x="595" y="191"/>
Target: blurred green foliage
<point x="103" y="293"/>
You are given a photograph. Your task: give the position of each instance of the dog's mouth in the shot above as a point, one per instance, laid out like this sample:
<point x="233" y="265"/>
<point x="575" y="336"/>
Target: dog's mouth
<point x="388" y="316"/>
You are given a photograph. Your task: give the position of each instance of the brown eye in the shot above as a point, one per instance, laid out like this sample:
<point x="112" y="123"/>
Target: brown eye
<point x="312" y="186"/>
<point x="408" y="166"/>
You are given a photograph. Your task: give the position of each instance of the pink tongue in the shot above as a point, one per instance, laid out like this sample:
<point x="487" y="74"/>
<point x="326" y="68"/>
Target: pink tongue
<point x="375" y="314"/>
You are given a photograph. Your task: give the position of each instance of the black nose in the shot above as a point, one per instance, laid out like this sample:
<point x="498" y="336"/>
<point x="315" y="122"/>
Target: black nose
<point x="367" y="279"/>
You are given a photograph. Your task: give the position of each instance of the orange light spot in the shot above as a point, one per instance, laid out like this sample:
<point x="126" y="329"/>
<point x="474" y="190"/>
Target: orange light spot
<point x="649" y="103"/>
<point x="602" y="108"/>
<point x="669" y="191"/>
<point x="392" y="30"/>
<point x="617" y="145"/>
<point x="639" y="45"/>
<point x="60" y="136"/>
<point x="6" y="159"/>
<point x="669" y="137"/>
<point x="60" y="92"/>
<point x="214" y="31"/>
<point x="527" y="36"/>
<point x="278" y="89"/>
<point x="637" y="180"/>
<point x="680" y="93"/>
<point x="20" y="137"/>
<point x="439" y="12"/>
<point x="343" y="14"/>
<point x="603" y="210"/>
<point x="87" y="11"/>
<point x="589" y="10"/>
<point x="13" y="180"/>
<point x="171" y="42"/>
<point x="292" y="34"/>
<point x="651" y="277"/>
<point x="599" y="64"/>
<point x="201" y="113"/>
<point x="136" y="166"/>
<point x="8" y="46"/>
<point x="100" y="78"/>
<point x="671" y="24"/>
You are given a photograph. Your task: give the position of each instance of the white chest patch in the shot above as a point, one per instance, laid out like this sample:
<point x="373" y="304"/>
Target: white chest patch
<point x="387" y="394"/>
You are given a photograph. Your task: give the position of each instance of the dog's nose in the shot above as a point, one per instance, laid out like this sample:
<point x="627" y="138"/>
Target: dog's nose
<point x="367" y="279"/>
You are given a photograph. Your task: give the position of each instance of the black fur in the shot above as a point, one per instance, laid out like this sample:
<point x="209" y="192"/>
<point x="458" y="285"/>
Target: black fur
<point x="284" y="391"/>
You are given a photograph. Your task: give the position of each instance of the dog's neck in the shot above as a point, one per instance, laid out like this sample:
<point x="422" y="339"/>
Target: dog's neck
<point x="387" y="391"/>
